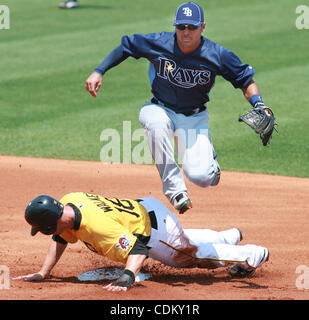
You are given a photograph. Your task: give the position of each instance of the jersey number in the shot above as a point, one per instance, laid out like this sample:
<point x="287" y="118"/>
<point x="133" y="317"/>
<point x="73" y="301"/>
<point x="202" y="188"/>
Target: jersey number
<point x="124" y="206"/>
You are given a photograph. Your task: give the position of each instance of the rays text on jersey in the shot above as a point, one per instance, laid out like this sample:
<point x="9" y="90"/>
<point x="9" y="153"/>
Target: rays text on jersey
<point x="182" y="77"/>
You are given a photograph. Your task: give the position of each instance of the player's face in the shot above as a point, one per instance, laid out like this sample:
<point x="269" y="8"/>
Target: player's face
<point x="188" y="40"/>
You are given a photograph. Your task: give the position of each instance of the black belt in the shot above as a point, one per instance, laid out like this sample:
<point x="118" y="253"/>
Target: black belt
<point x="152" y="216"/>
<point x="187" y="114"/>
<point x="153" y="222"/>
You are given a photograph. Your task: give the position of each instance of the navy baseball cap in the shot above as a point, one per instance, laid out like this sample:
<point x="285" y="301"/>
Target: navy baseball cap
<point x="189" y="13"/>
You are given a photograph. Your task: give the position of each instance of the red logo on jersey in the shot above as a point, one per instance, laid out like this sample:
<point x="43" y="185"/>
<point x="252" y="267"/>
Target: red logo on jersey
<point x="123" y="242"/>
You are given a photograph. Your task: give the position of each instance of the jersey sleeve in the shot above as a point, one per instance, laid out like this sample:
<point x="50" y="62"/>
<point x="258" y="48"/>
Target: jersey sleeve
<point x="233" y="70"/>
<point x="139" y="248"/>
<point x="113" y="59"/>
<point x="129" y="47"/>
<point x="141" y="45"/>
<point x="136" y="46"/>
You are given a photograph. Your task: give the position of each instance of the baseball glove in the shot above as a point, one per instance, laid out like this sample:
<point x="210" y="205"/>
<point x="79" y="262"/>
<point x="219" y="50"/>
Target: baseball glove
<point x="261" y="119"/>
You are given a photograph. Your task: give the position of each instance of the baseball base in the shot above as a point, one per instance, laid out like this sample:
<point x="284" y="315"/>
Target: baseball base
<point x="109" y="273"/>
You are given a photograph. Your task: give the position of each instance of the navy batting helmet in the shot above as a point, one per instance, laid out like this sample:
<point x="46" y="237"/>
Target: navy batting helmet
<point x="42" y="213"/>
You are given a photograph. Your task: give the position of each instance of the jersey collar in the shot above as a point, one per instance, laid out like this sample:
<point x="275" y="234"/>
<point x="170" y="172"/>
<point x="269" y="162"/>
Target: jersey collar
<point x="77" y="217"/>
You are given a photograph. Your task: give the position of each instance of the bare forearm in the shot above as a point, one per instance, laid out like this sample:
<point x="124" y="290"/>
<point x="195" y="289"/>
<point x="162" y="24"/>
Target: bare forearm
<point x="250" y="90"/>
<point x="135" y="262"/>
<point x="53" y="255"/>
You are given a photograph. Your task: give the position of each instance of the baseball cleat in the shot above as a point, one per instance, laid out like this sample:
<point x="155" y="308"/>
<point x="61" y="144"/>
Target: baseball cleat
<point x="239" y="271"/>
<point x="182" y="202"/>
<point x="68" y="5"/>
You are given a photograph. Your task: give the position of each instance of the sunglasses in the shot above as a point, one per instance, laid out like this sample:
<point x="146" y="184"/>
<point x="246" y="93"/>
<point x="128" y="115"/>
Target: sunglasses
<point x="182" y="27"/>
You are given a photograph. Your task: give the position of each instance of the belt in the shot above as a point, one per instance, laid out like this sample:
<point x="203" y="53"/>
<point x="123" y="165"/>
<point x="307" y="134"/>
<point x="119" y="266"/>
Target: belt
<point x="152" y="216"/>
<point x="153" y="222"/>
<point x="187" y="114"/>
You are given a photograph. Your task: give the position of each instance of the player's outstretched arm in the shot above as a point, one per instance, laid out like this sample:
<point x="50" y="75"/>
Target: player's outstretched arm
<point x="53" y="255"/>
<point x="94" y="81"/>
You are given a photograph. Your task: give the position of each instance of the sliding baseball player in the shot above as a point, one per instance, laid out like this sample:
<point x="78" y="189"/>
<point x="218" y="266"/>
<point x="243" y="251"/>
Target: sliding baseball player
<point x="130" y="231"/>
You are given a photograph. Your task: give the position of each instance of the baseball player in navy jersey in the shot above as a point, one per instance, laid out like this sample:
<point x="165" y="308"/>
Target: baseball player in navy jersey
<point x="183" y="68"/>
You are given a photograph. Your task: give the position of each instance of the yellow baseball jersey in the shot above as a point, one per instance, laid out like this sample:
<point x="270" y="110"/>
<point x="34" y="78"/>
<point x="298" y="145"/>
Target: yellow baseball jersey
<point x="108" y="226"/>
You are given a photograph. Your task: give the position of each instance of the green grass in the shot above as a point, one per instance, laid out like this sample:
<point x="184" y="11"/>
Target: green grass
<point x="48" y="53"/>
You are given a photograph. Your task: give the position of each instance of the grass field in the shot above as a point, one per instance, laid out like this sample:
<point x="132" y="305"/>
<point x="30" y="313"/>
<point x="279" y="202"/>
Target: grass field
<point x="48" y="53"/>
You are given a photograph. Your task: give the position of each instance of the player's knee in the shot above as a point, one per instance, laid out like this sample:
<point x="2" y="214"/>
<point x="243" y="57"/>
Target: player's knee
<point x="154" y="119"/>
<point x="203" y="179"/>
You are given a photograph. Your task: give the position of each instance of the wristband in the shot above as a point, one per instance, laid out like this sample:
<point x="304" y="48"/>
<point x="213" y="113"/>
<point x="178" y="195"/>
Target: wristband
<point x="130" y="274"/>
<point x="256" y="101"/>
<point x="126" y="280"/>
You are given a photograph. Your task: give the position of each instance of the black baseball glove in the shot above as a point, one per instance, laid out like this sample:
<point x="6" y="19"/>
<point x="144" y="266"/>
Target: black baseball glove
<point x="261" y="119"/>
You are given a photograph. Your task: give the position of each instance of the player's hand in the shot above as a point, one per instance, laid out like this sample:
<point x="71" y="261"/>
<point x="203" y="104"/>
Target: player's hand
<point x="93" y="83"/>
<point x="34" y="277"/>
<point x="124" y="283"/>
<point x="113" y="287"/>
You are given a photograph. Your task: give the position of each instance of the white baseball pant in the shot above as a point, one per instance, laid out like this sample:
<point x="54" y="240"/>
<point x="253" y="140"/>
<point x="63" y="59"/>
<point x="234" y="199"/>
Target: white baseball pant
<point x="193" y="145"/>
<point x="174" y="246"/>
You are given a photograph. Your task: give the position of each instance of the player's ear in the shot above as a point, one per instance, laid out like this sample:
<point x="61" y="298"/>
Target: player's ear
<point x="203" y="26"/>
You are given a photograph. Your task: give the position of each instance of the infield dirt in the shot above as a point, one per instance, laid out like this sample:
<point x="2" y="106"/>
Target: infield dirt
<point x="271" y="210"/>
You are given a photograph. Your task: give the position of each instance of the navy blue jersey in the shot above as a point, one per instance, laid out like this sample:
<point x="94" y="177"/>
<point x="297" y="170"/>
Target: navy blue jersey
<point x="181" y="81"/>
